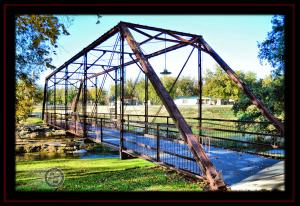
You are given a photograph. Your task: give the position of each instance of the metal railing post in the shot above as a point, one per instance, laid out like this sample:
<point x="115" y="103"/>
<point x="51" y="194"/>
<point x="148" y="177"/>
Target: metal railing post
<point x="157" y="144"/>
<point x="101" y="129"/>
<point x="167" y="126"/>
<point x="128" y="122"/>
<point x="75" y="123"/>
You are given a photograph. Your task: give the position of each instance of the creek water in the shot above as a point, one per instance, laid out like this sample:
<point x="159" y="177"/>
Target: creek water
<point x="102" y="152"/>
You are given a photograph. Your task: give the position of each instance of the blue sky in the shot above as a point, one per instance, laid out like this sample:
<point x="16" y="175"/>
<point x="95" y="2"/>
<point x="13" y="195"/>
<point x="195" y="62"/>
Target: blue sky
<point x="233" y="37"/>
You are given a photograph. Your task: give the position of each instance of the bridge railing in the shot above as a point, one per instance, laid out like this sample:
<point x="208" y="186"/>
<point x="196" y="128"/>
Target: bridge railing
<point x="255" y="137"/>
<point x="246" y="136"/>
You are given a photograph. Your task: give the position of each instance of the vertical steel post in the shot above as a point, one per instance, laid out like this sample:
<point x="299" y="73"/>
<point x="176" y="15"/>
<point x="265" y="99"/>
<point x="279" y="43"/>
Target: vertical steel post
<point x="84" y="97"/>
<point x="96" y="102"/>
<point x="122" y="93"/>
<point x="101" y="129"/>
<point x="128" y="123"/>
<point x="54" y="99"/>
<point x="116" y="93"/>
<point x="66" y="99"/>
<point x="157" y="143"/>
<point x="200" y="90"/>
<point x="167" y="126"/>
<point x="146" y="104"/>
<point x="46" y="104"/>
<point x="45" y="99"/>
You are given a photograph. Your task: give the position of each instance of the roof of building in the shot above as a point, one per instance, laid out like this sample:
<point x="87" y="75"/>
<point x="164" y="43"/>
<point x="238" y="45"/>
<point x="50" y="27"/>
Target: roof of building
<point x="192" y="97"/>
<point x="186" y="97"/>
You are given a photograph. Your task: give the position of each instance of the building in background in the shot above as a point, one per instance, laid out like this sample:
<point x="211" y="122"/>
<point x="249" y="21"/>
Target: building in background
<point x="193" y="100"/>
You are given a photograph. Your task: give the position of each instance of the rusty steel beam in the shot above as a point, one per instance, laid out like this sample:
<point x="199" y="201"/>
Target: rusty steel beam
<point x="100" y="73"/>
<point x="109" y="34"/>
<point x="157" y="29"/>
<point x="149" y="39"/>
<point x="101" y="39"/>
<point x="154" y="54"/>
<point x="209" y="171"/>
<point x="234" y="77"/>
<point x="171" y="48"/>
<point x="76" y="99"/>
<point x="111" y="51"/>
<point x="44" y="99"/>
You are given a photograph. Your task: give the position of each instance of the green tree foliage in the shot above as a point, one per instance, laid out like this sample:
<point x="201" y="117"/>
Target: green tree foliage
<point x="140" y="90"/>
<point x="27" y="95"/>
<point x="101" y="95"/>
<point x="218" y="85"/>
<point x="271" y="89"/>
<point x="36" y="40"/>
<point x="272" y="48"/>
<point x="186" y="87"/>
<point x="168" y="82"/>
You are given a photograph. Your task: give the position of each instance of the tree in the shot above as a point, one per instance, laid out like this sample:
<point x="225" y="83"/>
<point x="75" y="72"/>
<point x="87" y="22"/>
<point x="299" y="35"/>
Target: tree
<point x="140" y="90"/>
<point x="101" y="94"/>
<point x="269" y="90"/>
<point x="185" y="87"/>
<point x="218" y="85"/>
<point x="272" y="49"/>
<point x="27" y="95"/>
<point x="36" y="40"/>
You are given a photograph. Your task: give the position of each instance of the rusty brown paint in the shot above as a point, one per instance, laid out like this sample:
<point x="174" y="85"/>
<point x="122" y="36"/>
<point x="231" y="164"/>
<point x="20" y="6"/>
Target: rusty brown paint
<point x="76" y="98"/>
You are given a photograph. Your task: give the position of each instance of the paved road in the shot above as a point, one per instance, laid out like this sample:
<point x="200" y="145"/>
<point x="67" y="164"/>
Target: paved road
<point x="270" y="178"/>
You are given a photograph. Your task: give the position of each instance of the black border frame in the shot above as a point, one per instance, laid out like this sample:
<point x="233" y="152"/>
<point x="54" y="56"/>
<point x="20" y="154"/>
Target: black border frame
<point x="9" y="9"/>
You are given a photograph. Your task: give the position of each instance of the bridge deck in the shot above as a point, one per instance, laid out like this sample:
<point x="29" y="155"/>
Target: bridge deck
<point x="235" y="166"/>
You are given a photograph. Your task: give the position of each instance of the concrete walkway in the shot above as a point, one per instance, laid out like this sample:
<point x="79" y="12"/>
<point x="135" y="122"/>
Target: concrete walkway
<point x="270" y="178"/>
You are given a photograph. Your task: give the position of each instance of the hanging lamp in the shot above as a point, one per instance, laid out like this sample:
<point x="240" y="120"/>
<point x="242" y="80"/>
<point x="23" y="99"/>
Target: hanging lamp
<point x="165" y="72"/>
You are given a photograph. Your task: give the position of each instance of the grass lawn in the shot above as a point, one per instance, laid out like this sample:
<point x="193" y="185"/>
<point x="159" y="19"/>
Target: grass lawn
<point x="222" y="112"/>
<point x="107" y="174"/>
<point x="33" y="120"/>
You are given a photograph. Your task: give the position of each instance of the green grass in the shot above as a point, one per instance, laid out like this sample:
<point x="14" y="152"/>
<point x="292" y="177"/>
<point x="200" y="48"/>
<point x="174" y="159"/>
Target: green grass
<point x="102" y="175"/>
<point x="217" y="112"/>
<point x="223" y="111"/>
<point x="37" y="108"/>
<point x="33" y="120"/>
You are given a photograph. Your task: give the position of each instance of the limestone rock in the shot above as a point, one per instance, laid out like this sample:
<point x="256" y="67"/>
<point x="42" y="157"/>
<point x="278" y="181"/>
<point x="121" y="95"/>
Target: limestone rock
<point x="20" y="149"/>
<point x="33" y="135"/>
